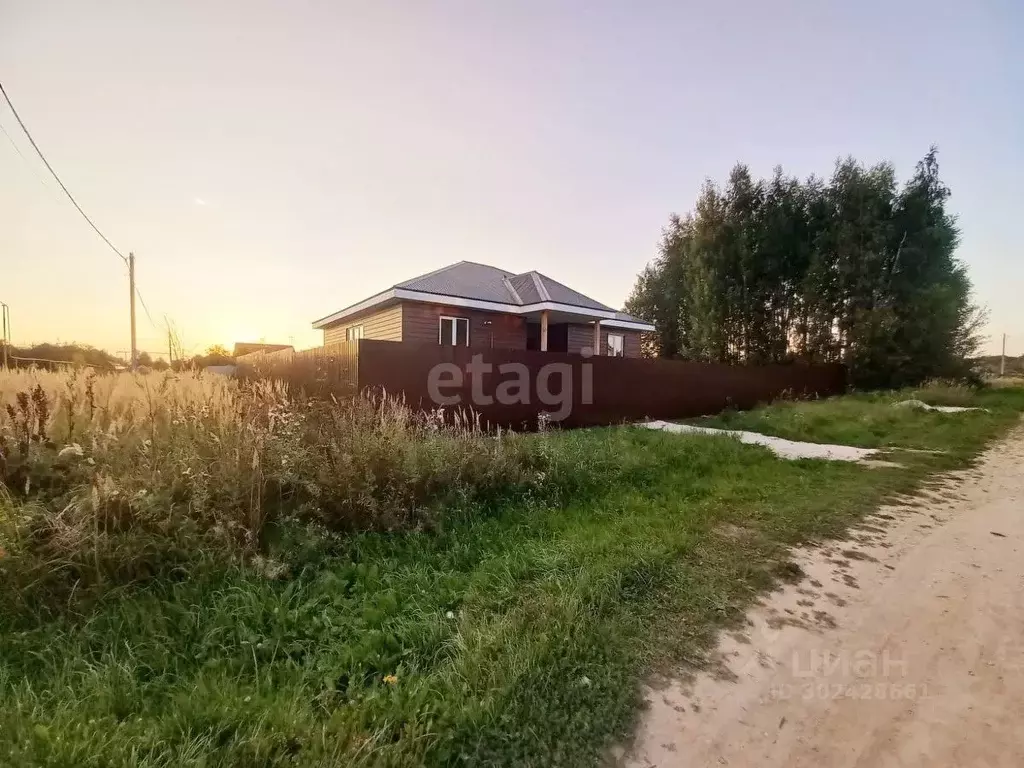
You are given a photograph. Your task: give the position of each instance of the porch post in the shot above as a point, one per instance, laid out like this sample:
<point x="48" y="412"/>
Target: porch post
<point x="597" y="337"/>
<point x="544" y="331"/>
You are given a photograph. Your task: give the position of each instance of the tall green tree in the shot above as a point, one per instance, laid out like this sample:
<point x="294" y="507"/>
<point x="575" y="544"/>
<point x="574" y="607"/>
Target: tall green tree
<point x="853" y="269"/>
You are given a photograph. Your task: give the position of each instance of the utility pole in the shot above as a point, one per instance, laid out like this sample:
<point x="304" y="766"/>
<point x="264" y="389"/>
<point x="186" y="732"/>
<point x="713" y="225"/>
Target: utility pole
<point x="5" y="322"/>
<point x="1002" y="358"/>
<point x="170" y="348"/>
<point x="131" y="288"/>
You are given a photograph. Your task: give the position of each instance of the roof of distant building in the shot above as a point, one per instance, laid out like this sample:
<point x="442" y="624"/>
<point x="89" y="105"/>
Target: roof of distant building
<point x="248" y="347"/>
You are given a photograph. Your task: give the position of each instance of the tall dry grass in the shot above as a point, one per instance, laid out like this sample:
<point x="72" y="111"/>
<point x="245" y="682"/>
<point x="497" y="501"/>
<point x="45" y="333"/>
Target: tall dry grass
<point x="1007" y="382"/>
<point x="121" y="476"/>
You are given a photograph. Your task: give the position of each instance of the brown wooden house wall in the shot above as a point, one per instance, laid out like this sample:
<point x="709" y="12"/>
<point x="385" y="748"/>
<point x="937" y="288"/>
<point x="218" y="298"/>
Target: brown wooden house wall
<point x="385" y="324"/>
<point x="582" y="337"/>
<point x="420" y="323"/>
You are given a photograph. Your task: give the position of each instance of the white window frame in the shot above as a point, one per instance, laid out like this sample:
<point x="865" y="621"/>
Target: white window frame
<point x="455" y="328"/>
<point x="353" y="332"/>
<point x="618" y="347"/>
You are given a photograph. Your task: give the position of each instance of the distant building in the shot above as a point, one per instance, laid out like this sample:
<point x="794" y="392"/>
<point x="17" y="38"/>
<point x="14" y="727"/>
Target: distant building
<point x="248" y="347"/>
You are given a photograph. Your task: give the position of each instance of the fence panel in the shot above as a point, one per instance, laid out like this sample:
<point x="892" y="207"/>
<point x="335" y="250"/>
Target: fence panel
<point x="321" y="371"/>
<point x="511" y="387"/>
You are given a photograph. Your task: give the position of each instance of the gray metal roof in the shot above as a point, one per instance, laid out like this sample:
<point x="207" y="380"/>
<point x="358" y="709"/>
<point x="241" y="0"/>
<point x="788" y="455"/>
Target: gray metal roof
<point x="467" y="280"/>
<point x="470" y="280"/>
<point x="481" y="282"/>
<point x="526" y="288"/>
<point x="563" y="294"/>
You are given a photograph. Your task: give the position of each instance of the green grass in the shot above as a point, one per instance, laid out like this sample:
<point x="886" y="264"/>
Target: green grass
<point x="870" y="420"/>
<point x="517" y="634"/>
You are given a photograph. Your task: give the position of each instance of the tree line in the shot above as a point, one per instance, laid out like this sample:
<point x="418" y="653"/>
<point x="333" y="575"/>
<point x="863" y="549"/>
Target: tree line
<point x="58" y="356"/>
<point x="856" y="269"/>
<point x="55" y="356"/>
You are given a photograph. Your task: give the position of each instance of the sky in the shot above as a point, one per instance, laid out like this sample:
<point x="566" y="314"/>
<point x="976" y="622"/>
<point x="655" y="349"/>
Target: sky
<point x="272" y="162"/>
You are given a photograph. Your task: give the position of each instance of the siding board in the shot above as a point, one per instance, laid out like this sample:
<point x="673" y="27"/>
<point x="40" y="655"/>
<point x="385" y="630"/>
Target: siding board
<point x="420" y="324"/>
<point x="384" y="324"/>
<point x="582" y="337"/>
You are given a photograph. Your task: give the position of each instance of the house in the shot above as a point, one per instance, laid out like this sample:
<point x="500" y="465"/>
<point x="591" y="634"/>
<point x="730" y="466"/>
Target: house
<point x="476" y="305"/>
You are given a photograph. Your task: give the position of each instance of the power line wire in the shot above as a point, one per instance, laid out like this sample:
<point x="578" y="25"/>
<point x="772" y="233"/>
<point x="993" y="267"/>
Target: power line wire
<point x="145" y="308"/>
<point x="55" y="176"/>
<point x="11" y="139"/>
<point x="66" y="191"/>
<point x="28" y="163"/>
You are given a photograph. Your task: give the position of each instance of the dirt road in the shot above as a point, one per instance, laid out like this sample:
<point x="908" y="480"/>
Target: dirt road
<point x="903" y="647"/>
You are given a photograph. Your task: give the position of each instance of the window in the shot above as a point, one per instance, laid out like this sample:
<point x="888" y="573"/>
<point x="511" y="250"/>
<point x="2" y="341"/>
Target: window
<point x="453" y="331"/>
<point x="353" y="332"/>
<point x="615" y="344"/>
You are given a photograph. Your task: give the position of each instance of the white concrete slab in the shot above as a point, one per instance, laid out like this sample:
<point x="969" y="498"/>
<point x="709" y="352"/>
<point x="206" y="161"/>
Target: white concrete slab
<point x="920" y="405"/>
<point x="785" y="449"/>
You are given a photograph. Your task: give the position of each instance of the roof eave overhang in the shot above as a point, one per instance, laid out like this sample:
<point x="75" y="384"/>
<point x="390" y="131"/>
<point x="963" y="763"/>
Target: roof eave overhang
<point x="607" y="317"/>
<point x="362" y="306"/>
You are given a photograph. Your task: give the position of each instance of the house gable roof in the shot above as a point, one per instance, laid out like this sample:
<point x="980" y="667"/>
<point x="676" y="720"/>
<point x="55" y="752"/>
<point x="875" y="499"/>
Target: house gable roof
<point x="526" y="287"/>
<point x="474" y="283"/>
<point x="563" y="294"/>
<point x="465" y="279"/>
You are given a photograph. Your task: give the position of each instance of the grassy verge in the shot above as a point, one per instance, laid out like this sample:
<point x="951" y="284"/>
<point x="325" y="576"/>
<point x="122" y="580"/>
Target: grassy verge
<point x="872" y="420"/>
<point x="516" y="631"/>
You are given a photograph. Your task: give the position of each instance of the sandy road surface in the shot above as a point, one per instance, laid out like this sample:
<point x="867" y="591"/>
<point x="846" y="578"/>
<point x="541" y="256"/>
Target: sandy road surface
<point x="903" y="647"/>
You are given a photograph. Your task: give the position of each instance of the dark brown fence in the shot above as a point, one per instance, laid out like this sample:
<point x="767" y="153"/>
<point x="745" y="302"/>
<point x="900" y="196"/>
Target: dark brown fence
<point x="332" y="370"/>
<point x="511" y="388"/>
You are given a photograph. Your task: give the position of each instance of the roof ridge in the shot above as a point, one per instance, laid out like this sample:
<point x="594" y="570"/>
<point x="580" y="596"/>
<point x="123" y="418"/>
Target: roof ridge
<point x="570" y="288"/>
<point x="542" y="290"/>
<point x="489" y="266"/>
<point x="429" y="274"/>
<point x="511" y="289"/>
